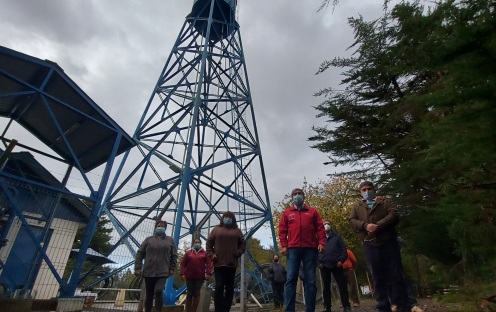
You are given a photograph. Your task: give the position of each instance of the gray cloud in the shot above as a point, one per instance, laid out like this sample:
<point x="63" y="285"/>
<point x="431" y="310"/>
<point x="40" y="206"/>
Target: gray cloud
<point x="115" y="51"/>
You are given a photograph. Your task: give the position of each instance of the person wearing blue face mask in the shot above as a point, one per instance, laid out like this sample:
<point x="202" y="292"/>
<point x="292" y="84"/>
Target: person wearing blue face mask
<point x="196" y="267"/>
<point x="160" y="254"/>
<point x="225" y="245"/>
<point x="375" y="218"/>
<point x="302" y="238"/>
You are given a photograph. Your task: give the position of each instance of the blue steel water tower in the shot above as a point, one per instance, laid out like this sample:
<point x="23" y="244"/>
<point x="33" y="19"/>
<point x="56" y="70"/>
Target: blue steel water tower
<point x="198" y="153"/>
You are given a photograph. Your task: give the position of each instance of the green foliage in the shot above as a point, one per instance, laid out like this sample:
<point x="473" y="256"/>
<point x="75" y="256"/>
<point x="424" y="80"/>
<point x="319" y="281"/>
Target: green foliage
<point x="101" y="239"/>
<point x="417" y="115"/>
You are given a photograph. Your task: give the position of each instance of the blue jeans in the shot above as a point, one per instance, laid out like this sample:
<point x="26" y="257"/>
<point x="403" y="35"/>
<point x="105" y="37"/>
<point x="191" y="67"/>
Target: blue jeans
<point x="296" y="256"/>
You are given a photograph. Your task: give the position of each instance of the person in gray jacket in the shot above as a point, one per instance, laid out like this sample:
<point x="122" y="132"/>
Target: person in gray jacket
<point x="160" y="254"/>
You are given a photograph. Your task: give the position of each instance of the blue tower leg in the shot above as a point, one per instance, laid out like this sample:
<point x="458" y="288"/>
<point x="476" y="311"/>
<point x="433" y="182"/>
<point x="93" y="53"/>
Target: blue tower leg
<point x="197" y="149"/>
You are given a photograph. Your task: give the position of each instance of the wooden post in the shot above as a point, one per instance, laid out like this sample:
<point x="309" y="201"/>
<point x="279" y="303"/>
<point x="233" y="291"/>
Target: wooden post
<point x="119" y="299"/>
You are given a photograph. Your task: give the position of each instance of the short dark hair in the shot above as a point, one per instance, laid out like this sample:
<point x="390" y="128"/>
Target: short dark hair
<point x="366" y="183"/>
<point x="297" y="189"/>
<point x="326" y="220"/>
<point x="160" y="222"/>
<point x="197" y="238"/>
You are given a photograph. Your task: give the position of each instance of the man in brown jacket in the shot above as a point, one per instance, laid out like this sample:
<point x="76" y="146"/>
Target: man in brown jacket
<point x="375" y="218"/>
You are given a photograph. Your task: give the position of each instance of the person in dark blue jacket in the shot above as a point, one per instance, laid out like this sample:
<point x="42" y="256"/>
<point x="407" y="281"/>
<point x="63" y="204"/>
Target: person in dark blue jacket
<point x="331" y="263"/>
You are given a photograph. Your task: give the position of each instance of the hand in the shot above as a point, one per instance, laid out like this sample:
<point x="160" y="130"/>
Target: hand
<point x="371" y="227"/>
<point x="137" y="273"/>
<point x="340" y="265"/>
<point x="284" y="251"/>
<point x="214" y="257"/>
<point x="171" y="272"/>
<point x="320" y="248"/>
<point x="320" y="266"/>
<point x="183" y="277"/>
<point x="207" y="277"/>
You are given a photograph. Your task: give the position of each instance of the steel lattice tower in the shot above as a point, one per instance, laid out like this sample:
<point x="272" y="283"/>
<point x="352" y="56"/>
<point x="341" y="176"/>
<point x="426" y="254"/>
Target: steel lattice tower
<point x="198" y="151"/>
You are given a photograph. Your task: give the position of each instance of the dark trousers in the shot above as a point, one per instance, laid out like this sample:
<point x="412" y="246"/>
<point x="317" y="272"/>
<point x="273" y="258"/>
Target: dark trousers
<point x="224" y="288"/>
<point x="384" y="263"/>
<point x="154" y="288"/>
<point x="278" y="293"/>
<point x="326" y="273"/>
<point x="411" y="298"/>
<point x="193" y="294"/>
<point x="349" y="275"/>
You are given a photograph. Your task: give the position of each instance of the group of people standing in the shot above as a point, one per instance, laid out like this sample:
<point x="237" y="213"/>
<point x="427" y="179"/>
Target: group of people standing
<point x="306" y="240"/>
<point x="309" y="241"/>
<point x="224" y="245"/>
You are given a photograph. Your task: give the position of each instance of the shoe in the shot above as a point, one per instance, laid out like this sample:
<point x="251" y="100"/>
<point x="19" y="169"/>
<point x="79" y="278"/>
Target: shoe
<point x="347" y="309"/>
<point x="416" y="309"/>
<point x="394" y="308"/>
<point x="356" y="304"/>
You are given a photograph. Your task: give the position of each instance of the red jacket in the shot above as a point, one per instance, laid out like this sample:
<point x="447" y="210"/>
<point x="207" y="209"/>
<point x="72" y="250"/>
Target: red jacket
<point x="301" y="228"/>
<point x="351" y="262"/>
<point x="196" y="264"/>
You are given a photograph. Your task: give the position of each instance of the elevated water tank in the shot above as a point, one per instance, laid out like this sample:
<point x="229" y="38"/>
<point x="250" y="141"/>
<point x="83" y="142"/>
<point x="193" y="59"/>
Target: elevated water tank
<point x="224" y="18"/>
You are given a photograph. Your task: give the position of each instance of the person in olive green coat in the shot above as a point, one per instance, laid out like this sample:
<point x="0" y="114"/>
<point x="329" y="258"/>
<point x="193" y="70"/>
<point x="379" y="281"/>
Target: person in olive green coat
<point x="225" y="245"/>
<point x="160" y="254"/>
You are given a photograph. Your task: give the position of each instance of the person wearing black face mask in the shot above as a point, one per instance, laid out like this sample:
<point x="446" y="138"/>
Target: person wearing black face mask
<point x="277" y="277"/>
<point x="375" y="218"/>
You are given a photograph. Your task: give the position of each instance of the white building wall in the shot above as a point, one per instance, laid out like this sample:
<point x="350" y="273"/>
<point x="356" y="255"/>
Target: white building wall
<point x="58" y="250"/>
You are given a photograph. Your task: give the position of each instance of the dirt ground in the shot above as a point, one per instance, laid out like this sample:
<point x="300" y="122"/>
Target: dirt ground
<point x="368" y="305"/>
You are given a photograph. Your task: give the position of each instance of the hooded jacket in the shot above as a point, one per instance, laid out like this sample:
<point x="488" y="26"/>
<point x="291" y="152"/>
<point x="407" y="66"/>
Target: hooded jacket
<point x="301" y="228"/>
<point x="196" y="264"/>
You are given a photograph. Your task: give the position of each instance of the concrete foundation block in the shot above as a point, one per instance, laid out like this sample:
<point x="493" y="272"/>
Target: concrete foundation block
<point x="74" y="304"/>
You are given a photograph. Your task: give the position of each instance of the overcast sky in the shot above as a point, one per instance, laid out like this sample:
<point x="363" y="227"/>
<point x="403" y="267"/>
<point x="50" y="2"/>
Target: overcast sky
<point x="115" y="50"/>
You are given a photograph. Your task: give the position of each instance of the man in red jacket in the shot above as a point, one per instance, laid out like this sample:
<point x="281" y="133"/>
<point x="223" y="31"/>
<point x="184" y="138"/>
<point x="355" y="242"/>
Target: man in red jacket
<point x="302" y="237"/>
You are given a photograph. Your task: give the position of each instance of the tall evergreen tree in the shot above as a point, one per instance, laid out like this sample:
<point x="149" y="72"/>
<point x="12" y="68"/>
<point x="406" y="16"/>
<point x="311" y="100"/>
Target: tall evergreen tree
<point x="418" y="115"/>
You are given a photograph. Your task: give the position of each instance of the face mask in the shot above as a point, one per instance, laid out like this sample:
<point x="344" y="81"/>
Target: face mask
<point x="276" y="260"/>
<point x="327" y="227"/>
<point x="159" y="230"/>
<point x="298" y="199"/>
<point x="227" y="221"/>
<point x="197" y="246"/>
<point x="368" y="195"/>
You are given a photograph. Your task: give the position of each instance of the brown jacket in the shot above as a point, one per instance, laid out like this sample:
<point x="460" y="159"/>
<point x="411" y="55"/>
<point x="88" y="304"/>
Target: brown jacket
<point x="228" y="244"/>
<point x="383" y="213"/>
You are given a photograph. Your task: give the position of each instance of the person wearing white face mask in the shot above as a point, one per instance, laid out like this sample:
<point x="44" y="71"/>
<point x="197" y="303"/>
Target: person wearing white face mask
<point x="160" y="254"/>
<point x="375" y="218"/>
<point x="331" y="263"/>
